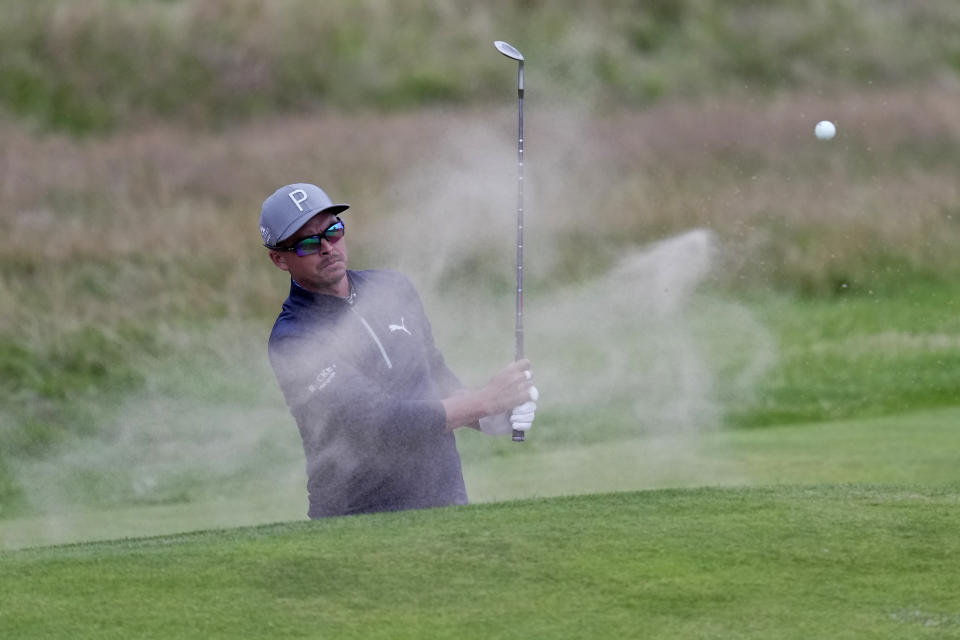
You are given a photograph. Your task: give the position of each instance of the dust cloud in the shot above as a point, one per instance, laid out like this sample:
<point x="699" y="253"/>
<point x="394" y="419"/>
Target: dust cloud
<point x="627" y="358"/>
<point x="630" y="355"/>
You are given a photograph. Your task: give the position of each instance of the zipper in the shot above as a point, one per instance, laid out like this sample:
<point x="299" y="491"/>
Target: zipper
<point x="373" y="335"/>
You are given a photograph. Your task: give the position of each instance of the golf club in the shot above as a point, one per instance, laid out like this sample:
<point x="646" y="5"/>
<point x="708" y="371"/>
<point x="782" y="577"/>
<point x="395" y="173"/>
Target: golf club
<point x="511" y="52"/>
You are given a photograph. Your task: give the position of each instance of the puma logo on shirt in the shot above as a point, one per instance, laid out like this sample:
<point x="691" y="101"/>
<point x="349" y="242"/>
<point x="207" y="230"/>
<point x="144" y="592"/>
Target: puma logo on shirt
<point x="399" y="327"/>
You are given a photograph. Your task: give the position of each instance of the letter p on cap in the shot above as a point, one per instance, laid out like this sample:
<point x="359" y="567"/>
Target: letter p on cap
<point x="297" y="201"/>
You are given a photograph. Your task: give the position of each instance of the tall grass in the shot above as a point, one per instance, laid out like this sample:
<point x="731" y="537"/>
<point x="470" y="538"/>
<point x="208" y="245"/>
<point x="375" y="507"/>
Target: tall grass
<point x="174" y="213"/>
<point x="94" y="65"/>
<point x="136" y="251"/>
<point x="127" y="253"/>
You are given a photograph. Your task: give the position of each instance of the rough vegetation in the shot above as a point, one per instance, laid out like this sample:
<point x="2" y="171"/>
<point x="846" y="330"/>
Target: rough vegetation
<point x="137" y="140"/>
<point x="99" y="64"/>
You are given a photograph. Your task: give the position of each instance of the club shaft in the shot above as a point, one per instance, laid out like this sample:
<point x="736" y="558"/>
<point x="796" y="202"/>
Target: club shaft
<point x="519" y="319"/>
<point x="518" y="436"/>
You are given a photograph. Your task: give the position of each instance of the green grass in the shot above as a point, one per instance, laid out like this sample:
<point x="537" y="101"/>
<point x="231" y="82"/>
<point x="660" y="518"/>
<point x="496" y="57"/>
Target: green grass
<point x="105" y="419"/>
<point x="916" y="448"/>
<point x="102" y="64"/>
<point x="822" y="348"/>
<point x="862" y="354"/>
<point x="148" y="286"/>
<point x="911" y="449"/>
<point x="771" y="563"/>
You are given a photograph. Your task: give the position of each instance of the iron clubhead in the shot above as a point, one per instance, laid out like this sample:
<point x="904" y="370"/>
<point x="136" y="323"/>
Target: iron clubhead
<point x="508" y="50"/>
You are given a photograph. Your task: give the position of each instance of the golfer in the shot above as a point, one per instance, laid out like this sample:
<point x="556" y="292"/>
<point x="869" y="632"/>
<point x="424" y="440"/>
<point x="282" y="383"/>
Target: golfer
<point x="354" y="355"/>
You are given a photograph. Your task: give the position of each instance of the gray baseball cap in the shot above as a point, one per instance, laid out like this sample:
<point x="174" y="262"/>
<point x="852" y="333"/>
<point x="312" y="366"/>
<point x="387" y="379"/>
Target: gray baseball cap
<point x="291" y="207"/>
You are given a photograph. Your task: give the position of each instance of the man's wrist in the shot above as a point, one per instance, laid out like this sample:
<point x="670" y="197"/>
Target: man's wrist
<point x="462" y="409"/>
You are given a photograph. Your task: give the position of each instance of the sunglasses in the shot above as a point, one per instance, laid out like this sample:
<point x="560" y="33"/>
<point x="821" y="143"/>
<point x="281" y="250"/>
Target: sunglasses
<point x="311" y="245"/>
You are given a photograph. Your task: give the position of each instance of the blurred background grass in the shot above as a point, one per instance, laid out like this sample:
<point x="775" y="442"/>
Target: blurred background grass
<point x="137" y="139"/>
<point x="101" y="64"/>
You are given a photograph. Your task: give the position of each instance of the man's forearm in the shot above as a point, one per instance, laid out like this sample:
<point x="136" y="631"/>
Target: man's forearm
<point x="509" y="388"/>
<point x="464" y="408"/>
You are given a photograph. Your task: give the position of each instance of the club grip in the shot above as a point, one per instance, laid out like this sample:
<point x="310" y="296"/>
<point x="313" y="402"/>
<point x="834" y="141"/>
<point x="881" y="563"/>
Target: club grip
<point x="518" y="436"/>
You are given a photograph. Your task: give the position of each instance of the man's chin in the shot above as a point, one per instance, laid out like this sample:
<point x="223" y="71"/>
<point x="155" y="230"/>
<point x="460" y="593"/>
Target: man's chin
<point x="333" y="276"/>
<point x="334" y="272"/>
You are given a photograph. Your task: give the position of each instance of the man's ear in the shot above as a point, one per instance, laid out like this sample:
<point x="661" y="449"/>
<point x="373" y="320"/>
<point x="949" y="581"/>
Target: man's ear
<point x="280" y="259"/>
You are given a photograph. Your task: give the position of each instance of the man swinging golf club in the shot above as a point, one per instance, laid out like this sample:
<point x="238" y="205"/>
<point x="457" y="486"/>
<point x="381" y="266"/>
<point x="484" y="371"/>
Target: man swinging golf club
<point x="354" y="355"/>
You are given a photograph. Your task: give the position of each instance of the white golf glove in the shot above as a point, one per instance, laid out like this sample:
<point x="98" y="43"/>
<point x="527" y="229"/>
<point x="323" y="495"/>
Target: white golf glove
<point x="520" y="419"/>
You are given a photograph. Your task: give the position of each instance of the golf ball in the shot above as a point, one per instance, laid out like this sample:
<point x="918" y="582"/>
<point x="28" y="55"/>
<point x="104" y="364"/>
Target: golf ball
<point x="825" y="130"/>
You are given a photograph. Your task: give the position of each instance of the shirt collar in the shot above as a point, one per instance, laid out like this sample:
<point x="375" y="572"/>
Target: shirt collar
<point x="299" y="291"/>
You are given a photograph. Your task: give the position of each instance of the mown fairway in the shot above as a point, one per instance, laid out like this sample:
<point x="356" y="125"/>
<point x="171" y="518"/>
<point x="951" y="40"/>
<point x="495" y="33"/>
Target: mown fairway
<point x="910" y="449"/>
<point x="770" y="563"/>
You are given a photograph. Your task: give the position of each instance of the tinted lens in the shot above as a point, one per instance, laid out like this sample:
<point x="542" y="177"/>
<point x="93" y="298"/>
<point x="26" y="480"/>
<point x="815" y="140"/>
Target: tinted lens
<point x="308" y="246"/>
<point x="311" y="245"/>
<point x="334" y="232"/>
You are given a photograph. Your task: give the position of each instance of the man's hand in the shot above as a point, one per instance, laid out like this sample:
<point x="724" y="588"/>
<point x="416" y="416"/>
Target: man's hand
<point x="510" y="388"/>
<point x="520" y="419"/>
